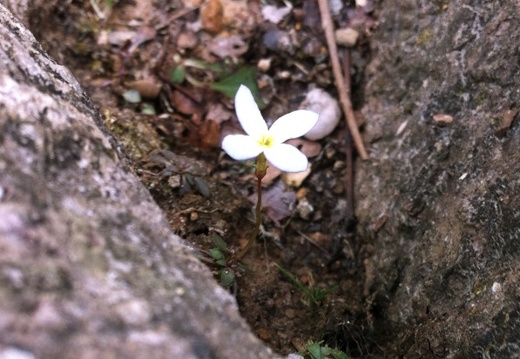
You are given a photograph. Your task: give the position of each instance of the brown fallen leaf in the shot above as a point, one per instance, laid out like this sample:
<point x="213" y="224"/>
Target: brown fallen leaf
<point x="143" y="34"/>
<point x="184" y="104"/>
<point x="232" y="46"/>
<point x="211" y="16"/>
<point x="271" y="175"/>
<point x="218" y="113"/>
<point x="116" y="38"/>
<point x="278" y="201"/>
<point x="209" y="133"/>
<point x="308" y="148"/>
<point x="187" y="40"/>
<point x="148" y="87"/>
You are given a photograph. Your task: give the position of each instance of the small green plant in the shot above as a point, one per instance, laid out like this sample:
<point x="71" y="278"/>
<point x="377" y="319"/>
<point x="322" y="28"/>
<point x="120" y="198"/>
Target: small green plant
<point x="223" y="258"/>
<point x="314" y="295"/>
<point x="266" y="144"/>
<point x="316" y="350"/>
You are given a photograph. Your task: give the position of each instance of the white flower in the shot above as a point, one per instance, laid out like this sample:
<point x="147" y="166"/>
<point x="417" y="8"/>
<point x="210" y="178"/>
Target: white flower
<point x="269" y="141"/>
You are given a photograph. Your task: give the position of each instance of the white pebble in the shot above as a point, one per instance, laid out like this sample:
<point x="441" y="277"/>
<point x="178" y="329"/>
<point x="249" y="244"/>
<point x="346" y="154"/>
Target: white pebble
<point x="319" y="101"/>
<point x="346" y="37"/>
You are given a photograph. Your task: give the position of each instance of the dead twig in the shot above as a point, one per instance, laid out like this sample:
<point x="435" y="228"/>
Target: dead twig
<point x="343" y="91"/>
<point x="349" y="161"/>
<point x="177" y="15"/>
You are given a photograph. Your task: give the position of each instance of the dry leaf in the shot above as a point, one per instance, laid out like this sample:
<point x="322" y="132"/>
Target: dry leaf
<point x="275" y="14"/>
<point x="211" y="16"/>
<point x="232" y="46"/>
<point x="278" y="200"/>
<point x="218" y="113"/>
<point x="117" y="38"/>
<point x="184" y="104"/>
<point x="270" y="176"/>
<point x="187" y="40"/>
<point x="148" y="87"/>
<point x="308" y="148"/>
<point x="210" y="134"/>
<point x="144" y="34"/>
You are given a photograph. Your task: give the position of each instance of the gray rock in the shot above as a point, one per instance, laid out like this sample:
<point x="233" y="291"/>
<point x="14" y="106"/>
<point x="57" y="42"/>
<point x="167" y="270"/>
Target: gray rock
<point x="439" y="205"/>
<point x="88" y="265"/>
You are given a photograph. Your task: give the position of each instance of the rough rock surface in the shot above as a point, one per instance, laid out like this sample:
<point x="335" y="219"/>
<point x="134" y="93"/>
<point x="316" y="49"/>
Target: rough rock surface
<point x="88" y="265"/>
<point x="439" y="201"/>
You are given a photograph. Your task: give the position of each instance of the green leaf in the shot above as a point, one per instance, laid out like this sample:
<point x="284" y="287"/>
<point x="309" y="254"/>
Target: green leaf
<point x="338" y="354"/>
<point x="177" y="74"/>
<point x="219" y="242"/>
<point x="203" y="65"/>
<point x="216" y="254"/>
<point x="243" y="76"/>
<point x="326" y="350"/>
<point x="314" y="350"/>
<point x="221" y="262"/>
<point x="202" y="186"/>
<point x="305" y="290"/>
<point x="227" y="277"/>
<point x="148" y="109"/>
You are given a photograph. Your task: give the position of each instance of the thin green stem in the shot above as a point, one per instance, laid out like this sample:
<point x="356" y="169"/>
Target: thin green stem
<point x="261" y="168"/>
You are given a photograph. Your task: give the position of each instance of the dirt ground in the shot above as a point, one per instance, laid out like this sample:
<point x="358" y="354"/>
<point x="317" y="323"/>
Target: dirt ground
<point x="138" y="62"/>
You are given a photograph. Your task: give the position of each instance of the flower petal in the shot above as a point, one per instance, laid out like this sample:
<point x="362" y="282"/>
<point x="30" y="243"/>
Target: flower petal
<point x="248" y="113"/>
<point x="241" y="147"/>
<point x="286" y="158"/>
<point x="293" y="125"/>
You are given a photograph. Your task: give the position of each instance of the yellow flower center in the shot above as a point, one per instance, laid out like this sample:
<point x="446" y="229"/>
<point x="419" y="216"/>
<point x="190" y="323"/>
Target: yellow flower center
<point x="266" y="141"/>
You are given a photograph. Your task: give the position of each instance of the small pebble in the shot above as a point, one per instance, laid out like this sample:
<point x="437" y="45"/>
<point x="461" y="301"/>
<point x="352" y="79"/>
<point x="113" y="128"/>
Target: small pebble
<point x="347" y="37"/>
<point x="304" y="209"/>
<point x="283" y="75"/>
<point x="338" y="165"/>
<point x="336" y="6"/>
<point x="15" y="353"/>
<point x="295" y="179"/>
<point x="319" y="101"/>
<point x="194" y="216"/>
<point x="264" y="64"/>
<point x="442" y="119"/>
<point x="263" y="334"/>
<point x="290" y="313"/>
<point x="276" y="40"/>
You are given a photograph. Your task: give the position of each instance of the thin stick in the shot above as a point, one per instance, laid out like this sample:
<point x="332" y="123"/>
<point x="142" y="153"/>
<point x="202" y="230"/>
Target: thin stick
<point x="349" y="172"/>
<point x="343" y="91"/>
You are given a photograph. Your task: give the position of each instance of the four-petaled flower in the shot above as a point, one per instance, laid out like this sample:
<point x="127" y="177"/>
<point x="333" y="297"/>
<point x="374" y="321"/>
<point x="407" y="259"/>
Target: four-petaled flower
<point x="269" y="141"/>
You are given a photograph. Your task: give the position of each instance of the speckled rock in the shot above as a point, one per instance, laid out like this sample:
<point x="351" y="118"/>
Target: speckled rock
<point x="439" y="204"/>
<point x="88" y="265"/>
